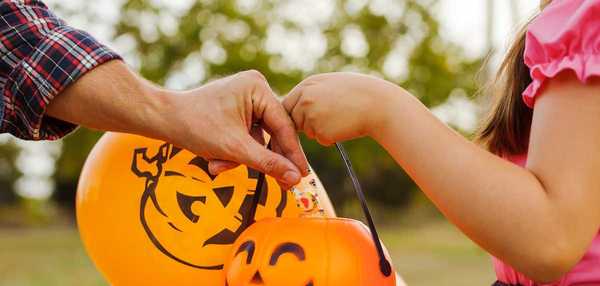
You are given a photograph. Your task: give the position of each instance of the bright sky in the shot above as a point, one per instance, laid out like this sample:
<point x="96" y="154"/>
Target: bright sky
<point x="462" y="20"/>
<point x="465" y="21"/>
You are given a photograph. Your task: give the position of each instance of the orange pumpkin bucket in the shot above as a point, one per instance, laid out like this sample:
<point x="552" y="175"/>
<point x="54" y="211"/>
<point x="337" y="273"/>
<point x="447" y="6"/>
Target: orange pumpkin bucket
<point x="305" y="252"/>
<point x="311" y="251"/>
<point x="149" y="213"/>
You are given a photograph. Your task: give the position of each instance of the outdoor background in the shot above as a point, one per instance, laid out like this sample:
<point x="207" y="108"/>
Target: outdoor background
<point x="435" y="49"/>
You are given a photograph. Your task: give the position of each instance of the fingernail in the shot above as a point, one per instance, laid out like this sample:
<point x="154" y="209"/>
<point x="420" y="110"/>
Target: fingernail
<point x="291" y="177"/>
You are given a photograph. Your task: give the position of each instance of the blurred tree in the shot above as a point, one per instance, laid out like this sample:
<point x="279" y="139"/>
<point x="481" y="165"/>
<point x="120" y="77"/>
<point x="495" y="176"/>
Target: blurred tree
<point x="183" y="43"/>
<point x="75" y="150"/>
<point x="8" y="172"/>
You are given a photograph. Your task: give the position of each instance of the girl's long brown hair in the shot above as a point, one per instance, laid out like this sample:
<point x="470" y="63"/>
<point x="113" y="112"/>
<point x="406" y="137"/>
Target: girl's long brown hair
<point x="505" y="131"/>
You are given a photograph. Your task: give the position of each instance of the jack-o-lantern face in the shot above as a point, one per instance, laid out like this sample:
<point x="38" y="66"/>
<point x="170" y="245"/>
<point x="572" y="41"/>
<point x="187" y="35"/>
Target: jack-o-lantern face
<point x="188" y="214"/>
<point x="150" y="213"/>
<point x="286" y="258"/>
<point x="305" y="252"/>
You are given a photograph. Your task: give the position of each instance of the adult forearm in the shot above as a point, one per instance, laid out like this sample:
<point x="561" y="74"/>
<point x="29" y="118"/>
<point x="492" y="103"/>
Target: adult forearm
<point x="211" y="121"/>
<point x="501" y="206"/>
<point x="111" y="97"/>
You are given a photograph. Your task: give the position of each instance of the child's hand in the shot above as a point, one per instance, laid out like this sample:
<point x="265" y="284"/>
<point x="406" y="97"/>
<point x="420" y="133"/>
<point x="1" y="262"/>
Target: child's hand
<point x="339" y="106"/>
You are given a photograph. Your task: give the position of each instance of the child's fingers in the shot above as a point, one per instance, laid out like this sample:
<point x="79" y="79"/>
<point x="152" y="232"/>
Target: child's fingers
<point x="325" y="142"/>
<point x="290" y="101"/>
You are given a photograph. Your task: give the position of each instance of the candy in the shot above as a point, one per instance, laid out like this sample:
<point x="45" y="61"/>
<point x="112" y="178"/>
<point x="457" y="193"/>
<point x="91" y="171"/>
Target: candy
<point x="307" y="198"/>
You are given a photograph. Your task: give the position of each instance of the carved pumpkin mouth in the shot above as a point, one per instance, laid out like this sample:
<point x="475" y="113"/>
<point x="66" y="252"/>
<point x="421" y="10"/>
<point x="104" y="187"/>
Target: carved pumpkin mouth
<point x="258" y="280"/>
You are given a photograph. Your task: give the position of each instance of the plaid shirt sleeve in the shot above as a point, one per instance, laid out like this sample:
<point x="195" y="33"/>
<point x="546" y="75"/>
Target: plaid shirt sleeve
<point x="39" y="57"/>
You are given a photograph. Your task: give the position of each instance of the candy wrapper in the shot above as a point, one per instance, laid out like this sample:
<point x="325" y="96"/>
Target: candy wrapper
<point x="307" y="196"/>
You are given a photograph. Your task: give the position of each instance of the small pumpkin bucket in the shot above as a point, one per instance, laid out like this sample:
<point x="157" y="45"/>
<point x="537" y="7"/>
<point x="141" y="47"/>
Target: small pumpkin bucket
<point x="311" y="251"/>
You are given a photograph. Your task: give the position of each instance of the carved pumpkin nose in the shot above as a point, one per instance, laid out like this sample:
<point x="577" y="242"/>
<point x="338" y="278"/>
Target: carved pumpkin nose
<point x="257" y="279"/>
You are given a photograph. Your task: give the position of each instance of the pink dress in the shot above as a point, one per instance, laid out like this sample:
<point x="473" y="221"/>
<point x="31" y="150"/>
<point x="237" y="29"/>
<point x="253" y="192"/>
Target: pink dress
<point x="565" y="36"/>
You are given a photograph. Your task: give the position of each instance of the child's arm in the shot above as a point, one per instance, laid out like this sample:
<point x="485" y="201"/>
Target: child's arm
<point x="539" y="219"/>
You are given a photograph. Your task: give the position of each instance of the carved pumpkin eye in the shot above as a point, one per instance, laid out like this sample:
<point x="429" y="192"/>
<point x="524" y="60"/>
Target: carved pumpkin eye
<point x="247" y="246"/>
<point x="185" y="203"/>
<point x="288" y="247"/>
<point x="224" y="194"/>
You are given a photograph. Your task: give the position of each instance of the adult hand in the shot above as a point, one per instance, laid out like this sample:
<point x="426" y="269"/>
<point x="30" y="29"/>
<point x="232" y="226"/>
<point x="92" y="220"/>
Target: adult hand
<point x="214" y="121"/>
<point x="223" y="122"/>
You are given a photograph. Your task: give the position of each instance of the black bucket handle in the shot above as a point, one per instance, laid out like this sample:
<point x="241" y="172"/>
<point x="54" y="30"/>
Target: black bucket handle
<point x="384" y="265"/>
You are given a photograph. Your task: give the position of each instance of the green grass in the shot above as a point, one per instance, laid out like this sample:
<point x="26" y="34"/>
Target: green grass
<point x="437" y="254"/>
<point x="45" y="257"/>
<point x="433" y="254"/>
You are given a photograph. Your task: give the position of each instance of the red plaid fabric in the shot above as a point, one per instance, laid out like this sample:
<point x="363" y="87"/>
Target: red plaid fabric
<point x="39" y="56"/>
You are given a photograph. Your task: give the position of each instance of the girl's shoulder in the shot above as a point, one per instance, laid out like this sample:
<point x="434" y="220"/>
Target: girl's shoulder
<point x="565" y="36"/>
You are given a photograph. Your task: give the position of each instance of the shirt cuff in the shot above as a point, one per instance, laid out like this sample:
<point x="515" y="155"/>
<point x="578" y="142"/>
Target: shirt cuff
<point x="58" y="60"/>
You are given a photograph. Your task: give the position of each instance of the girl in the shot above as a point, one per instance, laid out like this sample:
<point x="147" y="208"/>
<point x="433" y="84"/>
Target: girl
<point x="531" y="197"/>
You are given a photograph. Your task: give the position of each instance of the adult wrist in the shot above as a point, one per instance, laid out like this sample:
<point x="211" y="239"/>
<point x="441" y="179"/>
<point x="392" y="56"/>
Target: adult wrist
<point x="159" y="113"/>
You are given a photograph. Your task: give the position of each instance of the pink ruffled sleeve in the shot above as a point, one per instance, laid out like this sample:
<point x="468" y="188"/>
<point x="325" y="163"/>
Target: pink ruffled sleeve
<point x="565" y="36"/>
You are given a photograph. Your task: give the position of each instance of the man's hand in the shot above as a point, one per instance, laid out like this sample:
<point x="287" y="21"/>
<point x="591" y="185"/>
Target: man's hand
<point x="221" y="121"/>
<point x="224" y="120"/>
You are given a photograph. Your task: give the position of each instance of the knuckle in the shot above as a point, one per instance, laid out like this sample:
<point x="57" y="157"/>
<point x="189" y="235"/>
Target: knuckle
<point x="307" y="101"/>
<point x="320" y="134"/>
<point x="230" y="148"/>
<point x="283" y="128"/>
<point x="221" y="96"/>
<point x="253" y="75"/>
<point x="323" y="134"/>
<point x="297" y="123"/>
<point x="311" y="118"/>
<point x="307" y="82"/>
<point x="325" y="138"/>
<point x="268" y="164"/>
<point x="322" y="141"/>
<point x="313" y="78"/>
<point x="289" y="125"/>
